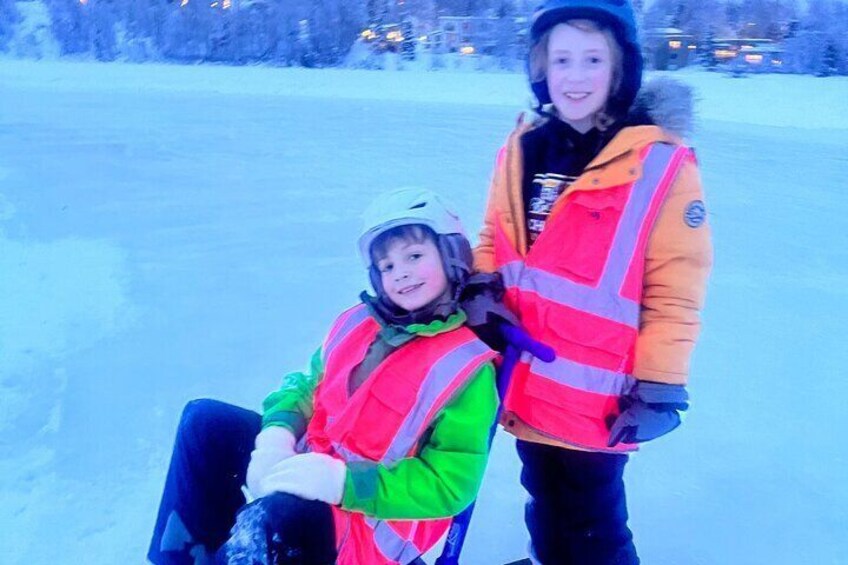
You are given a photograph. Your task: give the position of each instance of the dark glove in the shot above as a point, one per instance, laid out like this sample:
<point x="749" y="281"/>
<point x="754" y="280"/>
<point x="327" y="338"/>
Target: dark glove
<point x="649" y="411"/>
<point x="482" y="301"/>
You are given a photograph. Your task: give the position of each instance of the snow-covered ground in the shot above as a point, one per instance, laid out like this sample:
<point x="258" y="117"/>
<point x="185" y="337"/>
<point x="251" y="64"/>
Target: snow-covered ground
<point x="170" y="232"/>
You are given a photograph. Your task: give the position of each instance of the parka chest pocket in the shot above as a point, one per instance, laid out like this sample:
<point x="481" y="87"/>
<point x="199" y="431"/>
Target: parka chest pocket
<point x="384" y="407"/>
<point x="577" y="241"/>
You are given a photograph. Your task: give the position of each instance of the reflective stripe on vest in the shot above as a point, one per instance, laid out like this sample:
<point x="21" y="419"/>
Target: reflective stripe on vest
<point x="605" y="300"/>
<point x="343" y="327"/>
<point x="438" y="380"/>
<point x="568" y="293"/>
<point x="449" y="360"/>
<point x="391" y="544"/>
<point x="578" y="375"/>
<point x="591" y="367"/>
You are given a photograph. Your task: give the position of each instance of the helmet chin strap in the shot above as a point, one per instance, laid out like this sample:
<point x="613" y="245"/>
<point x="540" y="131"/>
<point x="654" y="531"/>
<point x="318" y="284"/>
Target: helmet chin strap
<point x="391" y="314"/>
<point x="397" y="315"/>
<point x="457" y="260"/>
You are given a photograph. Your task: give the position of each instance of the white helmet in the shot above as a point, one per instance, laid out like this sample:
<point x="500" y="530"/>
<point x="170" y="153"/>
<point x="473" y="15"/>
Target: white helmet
<point x="403" y="207"/>
<point x="416" y="206"/>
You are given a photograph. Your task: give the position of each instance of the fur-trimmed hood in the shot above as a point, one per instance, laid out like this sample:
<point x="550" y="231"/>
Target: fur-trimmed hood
<point x="664" y="102"/>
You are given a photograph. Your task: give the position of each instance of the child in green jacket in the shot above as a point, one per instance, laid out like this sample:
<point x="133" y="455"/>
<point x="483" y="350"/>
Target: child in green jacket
<point x="363" y="458"/>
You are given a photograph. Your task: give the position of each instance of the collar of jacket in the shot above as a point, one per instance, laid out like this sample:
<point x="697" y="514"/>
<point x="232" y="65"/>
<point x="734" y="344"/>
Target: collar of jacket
<point x="662" y="111"/>
<point x="398" y="334"/>
<point x="617" y="163"/>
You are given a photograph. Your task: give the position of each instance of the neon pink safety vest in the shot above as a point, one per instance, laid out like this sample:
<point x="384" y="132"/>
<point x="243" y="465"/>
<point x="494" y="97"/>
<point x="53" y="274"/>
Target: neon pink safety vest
<point x="579" y="290"/>
<point x="384" y="420"/>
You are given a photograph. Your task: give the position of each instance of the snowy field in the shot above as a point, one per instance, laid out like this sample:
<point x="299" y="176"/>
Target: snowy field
<point x="173" y="232"/>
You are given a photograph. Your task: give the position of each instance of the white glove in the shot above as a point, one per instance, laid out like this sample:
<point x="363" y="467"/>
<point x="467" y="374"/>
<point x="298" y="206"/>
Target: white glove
<point x="273" y="444"/>
<point x="311" y="476"/>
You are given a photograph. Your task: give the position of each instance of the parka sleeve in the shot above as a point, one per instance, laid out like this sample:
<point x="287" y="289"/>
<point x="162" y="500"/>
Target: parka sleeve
<point x="484" y="253"/>
<point x="678" y="262"/>
<point x="291" y="406"/>
<point x="445" y="475"/>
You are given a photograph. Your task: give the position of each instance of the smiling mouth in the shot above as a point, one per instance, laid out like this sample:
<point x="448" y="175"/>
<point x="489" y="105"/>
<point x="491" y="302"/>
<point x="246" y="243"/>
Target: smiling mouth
<point x="576" y="95"/>
<point x="408" y="289"/>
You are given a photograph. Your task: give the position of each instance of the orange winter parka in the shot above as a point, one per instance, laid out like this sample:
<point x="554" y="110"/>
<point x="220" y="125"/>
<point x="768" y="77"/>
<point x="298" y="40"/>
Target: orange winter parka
<point x="646" y="326"/>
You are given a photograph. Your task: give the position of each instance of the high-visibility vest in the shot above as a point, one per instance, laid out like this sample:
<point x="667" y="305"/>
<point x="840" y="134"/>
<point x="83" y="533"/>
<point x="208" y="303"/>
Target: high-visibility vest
<point x="579" y="289"/>
<point x="384" y="420"/>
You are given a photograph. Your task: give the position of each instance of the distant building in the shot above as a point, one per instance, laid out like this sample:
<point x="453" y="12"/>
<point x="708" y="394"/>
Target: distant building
<point x="464" y="34"/>
<point x="668" y="48"/>
<point x="750" y="55"/>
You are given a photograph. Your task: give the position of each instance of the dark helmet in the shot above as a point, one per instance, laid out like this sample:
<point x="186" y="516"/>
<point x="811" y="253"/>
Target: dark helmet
<point x="619" y="16"/>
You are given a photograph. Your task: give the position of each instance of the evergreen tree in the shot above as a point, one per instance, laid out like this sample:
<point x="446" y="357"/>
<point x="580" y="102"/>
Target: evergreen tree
<point x="829" y="60"/>
<point x="709" y="58"/>
<point x="101" y="29"/>
<point x="461" y="7"/>
<point x="705" y="18"/>
<point x="187" y="31"/>
<point x="9" y="17"/>
<point x="818" y="43"/>
<point x="506" y="34"/>
<point x="333" y="27"/>
<point x="143" y="22"/>
<point x="70" y="26"/>
<point x="256" y="32"/>
<point x="660" y="14"/>
<point x="289" y="48"/>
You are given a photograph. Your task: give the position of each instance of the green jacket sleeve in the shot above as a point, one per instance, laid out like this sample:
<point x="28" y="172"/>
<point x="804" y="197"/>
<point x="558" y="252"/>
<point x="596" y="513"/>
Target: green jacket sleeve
<point x="292" y="405"/>
<point x="443" y="478"/>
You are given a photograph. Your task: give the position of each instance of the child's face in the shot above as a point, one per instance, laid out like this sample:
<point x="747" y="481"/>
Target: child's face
<point x="412" y="273"/>
<point x="579" y="74"/>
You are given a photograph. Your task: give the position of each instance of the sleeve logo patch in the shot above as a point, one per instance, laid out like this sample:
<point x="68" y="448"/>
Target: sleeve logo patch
<point x="695" y="213"/>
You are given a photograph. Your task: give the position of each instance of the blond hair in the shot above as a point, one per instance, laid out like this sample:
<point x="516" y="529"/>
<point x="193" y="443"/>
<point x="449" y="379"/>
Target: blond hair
<point x="539" y="63"/>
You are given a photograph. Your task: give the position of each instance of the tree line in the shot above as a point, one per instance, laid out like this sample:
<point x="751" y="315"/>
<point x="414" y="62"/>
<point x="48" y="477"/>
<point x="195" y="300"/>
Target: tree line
<point x="317" y="33"/>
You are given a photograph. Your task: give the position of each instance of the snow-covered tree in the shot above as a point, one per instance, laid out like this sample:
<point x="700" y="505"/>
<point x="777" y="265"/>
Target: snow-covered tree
<point x="462" y="7"/>
<point x="143" y="24"/>
<point x="187" y="31"/>
<point x="9" y="17"/>
<point x="256" y="32"/>
<point x="506" y="34"/>
<point x="101" y="20"/>
<point x="333" y="26"/>
<point x="288" y="49"/>
<point x="820" y="43"/>
<point x="705" y="18"/>
<point x="659" y="14"/>
<point x="70" y="26"/>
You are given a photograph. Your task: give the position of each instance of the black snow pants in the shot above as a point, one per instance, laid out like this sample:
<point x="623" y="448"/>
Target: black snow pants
<point x="577" y="512"/>
<point x="202" y="497"/>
